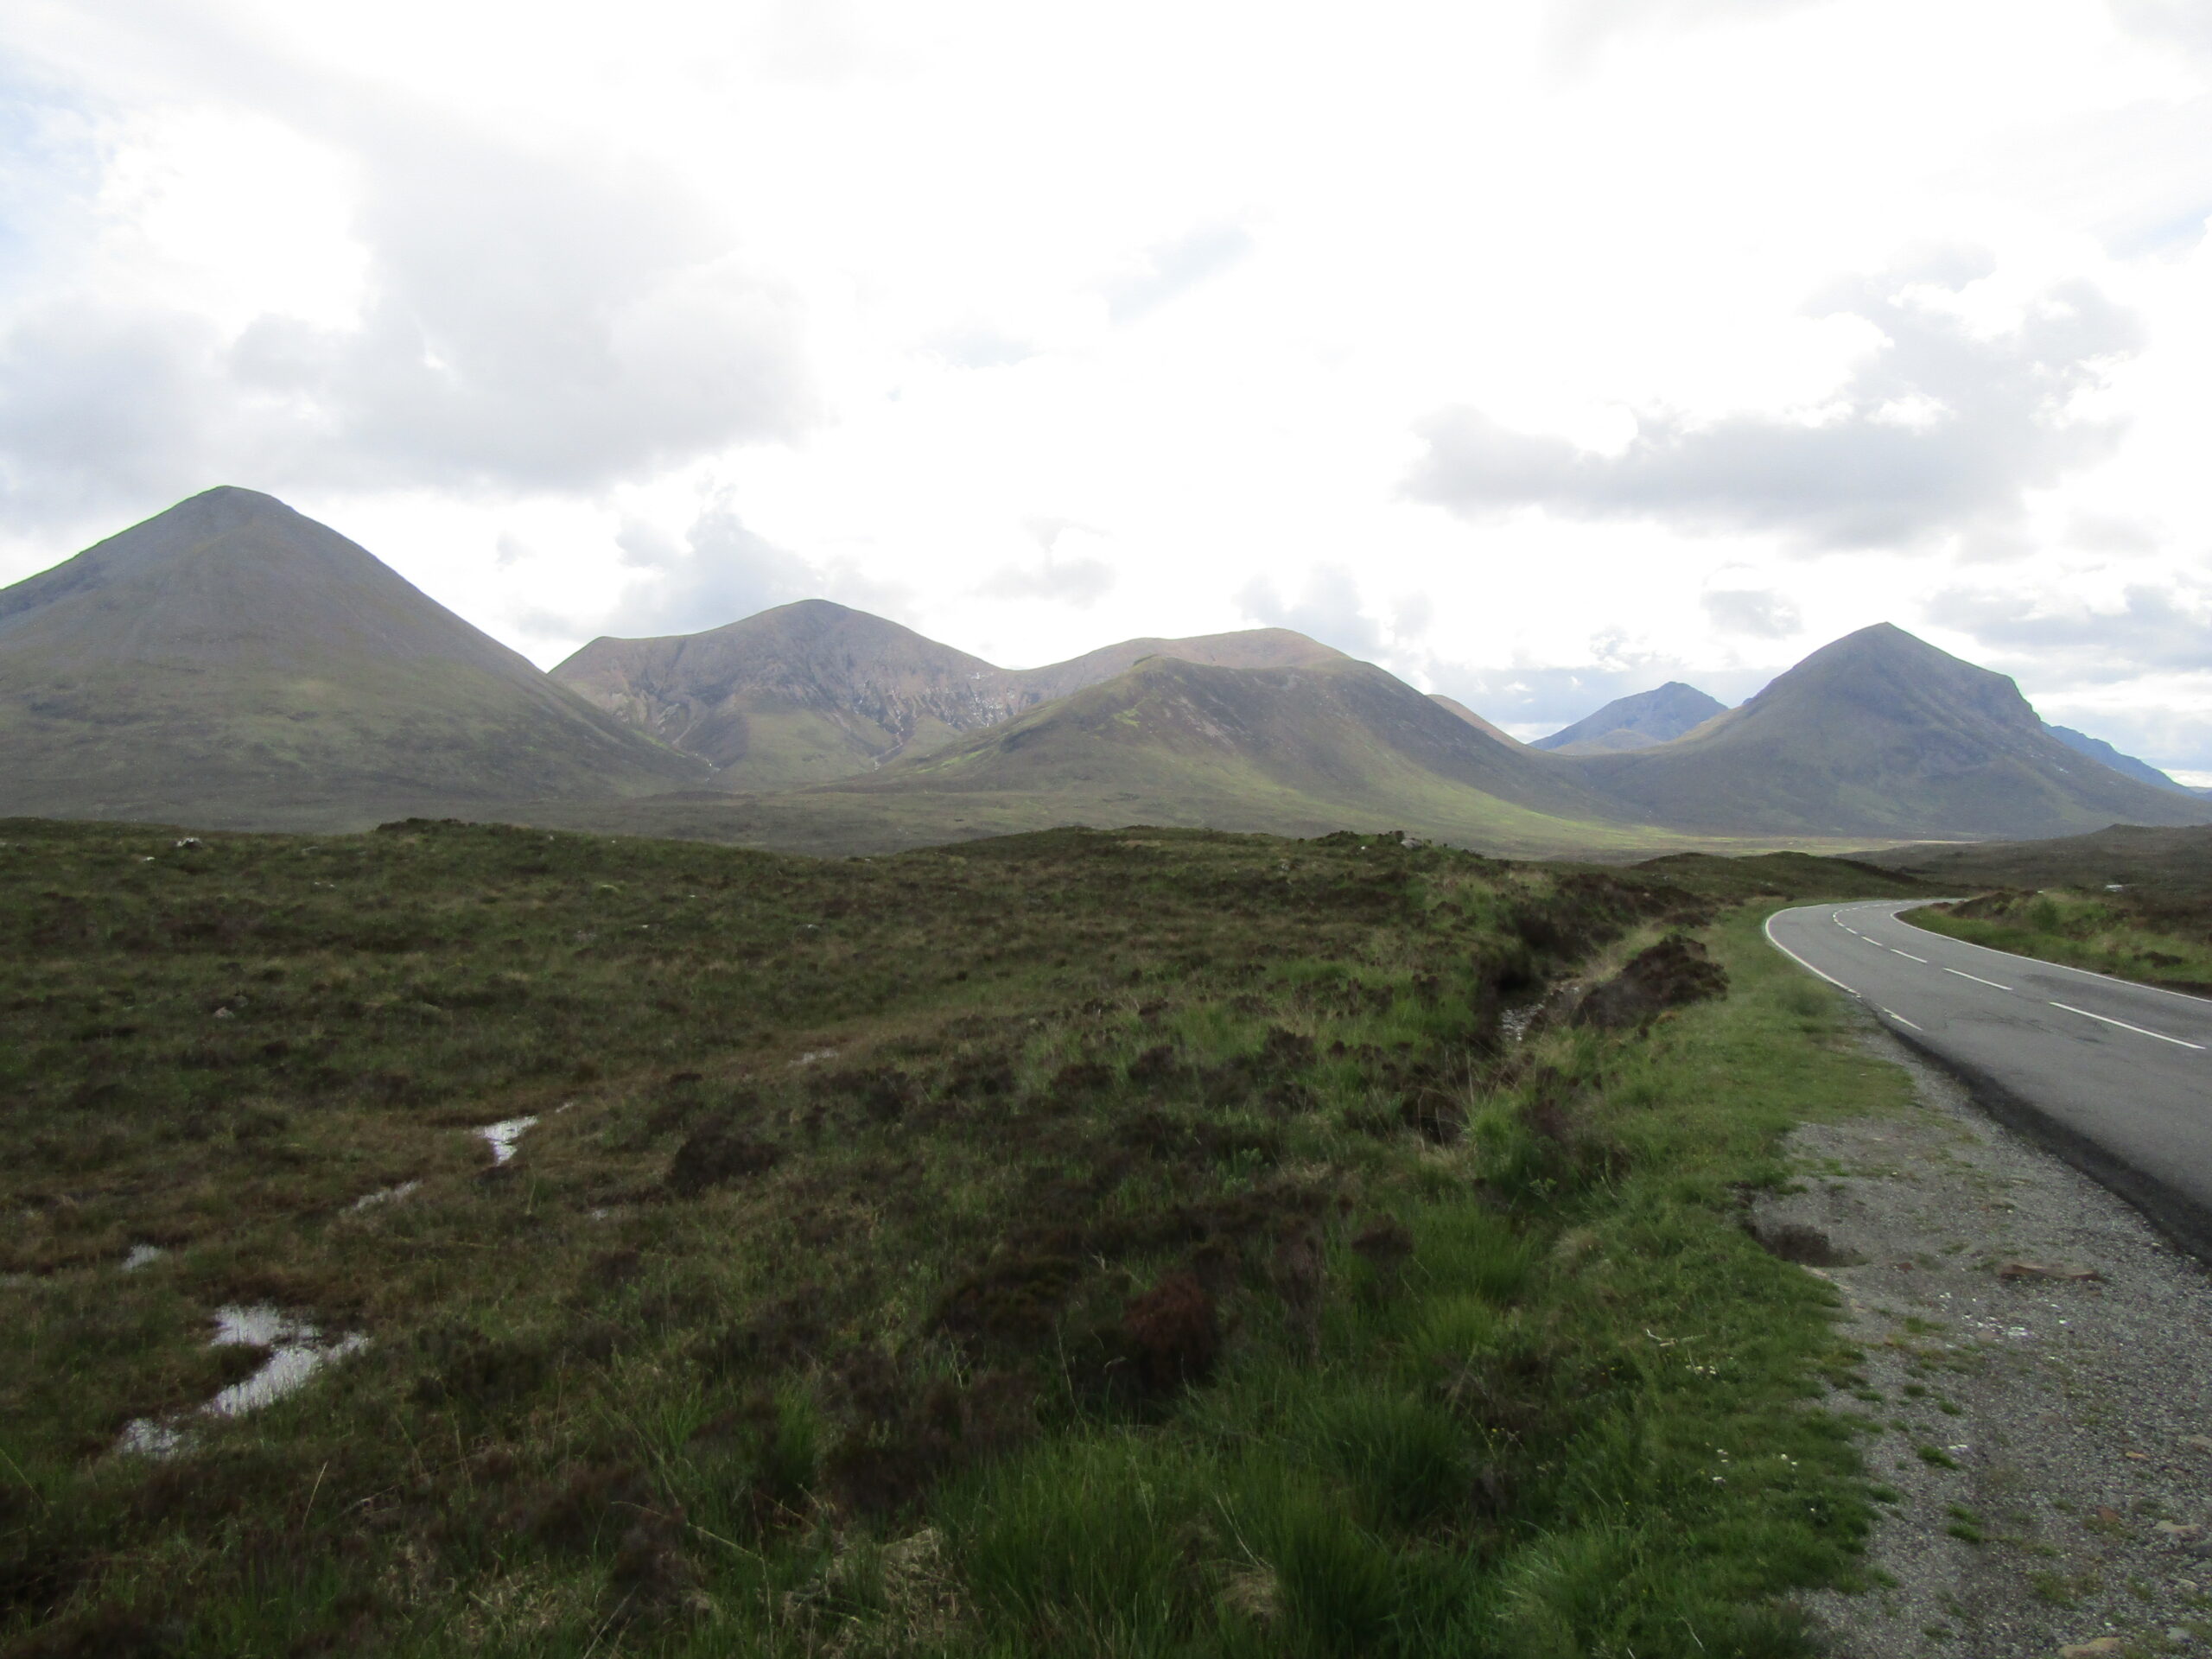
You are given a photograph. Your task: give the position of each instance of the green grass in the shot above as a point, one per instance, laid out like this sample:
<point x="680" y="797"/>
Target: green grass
<point x="2157" y="938"/>
<point x="1133" y="1244"/>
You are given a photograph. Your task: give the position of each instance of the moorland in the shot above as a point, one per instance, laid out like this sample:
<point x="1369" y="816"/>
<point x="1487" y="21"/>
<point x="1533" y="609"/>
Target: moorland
<point x="1150" y="1241"/>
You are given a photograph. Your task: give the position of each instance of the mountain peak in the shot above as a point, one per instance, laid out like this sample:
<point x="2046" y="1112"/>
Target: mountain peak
<point x="234" y="661"/>
<point x="1636" y="722"/>
<point x="1877" y="733"/>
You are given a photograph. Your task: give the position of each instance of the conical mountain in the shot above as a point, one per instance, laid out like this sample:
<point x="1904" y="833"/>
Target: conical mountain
<point x="1658" y="716"/>
<point x="1880" y="734"/>
<point x="813" y="691"/>
<point x="1334" y="744"/>
<point x="231" y="663"/>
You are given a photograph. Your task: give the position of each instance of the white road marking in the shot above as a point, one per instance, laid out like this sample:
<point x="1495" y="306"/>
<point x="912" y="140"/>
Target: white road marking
<point x="1768" y="929"/>
<point x="1897" y="915"/>
<point x="1977" y="979"/>
<point x="2108" y="1020"/>
<point x="1908" y="955"/>
<point x="1900" y="1019"/>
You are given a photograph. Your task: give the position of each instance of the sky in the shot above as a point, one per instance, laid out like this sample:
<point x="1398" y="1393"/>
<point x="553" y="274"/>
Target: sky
<point x="1540" y="352"/>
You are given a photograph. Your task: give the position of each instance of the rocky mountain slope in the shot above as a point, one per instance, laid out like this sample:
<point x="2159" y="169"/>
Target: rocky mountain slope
<point x="813" y="691"/>
<point x="232" y="663"/>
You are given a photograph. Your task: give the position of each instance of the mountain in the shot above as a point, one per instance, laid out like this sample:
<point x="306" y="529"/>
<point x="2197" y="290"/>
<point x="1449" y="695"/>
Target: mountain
<point x="1879" y="735"/>
<point x="1248" y="648"/>
<point x="1637" y="723"/>
<point x="2127" y="764"/>
<point x="813" y="691"/>
<point x="1334" y="745"/>
<point x="1474" y="719"/>
<point x="799" y="695"/>
<point x="232" y="664"/>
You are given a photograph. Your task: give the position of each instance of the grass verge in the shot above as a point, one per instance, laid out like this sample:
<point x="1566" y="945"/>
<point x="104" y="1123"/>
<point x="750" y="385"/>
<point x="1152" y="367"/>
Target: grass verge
<point x="2157" y="939"/>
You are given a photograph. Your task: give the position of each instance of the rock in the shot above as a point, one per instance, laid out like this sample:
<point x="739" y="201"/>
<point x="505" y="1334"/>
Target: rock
<point x="2178" y="1533"/>
<point x="2088" y="1650"/>
<point x="2196" y="1441"/>
<point x="2038" y="1270"/>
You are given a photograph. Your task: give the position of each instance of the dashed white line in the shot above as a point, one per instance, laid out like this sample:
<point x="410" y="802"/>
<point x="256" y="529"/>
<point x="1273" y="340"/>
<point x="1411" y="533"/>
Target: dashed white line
<point x="2108" y="1020"/>
<point x="1908" y="955"/>
<point x="1768" y="929"/>
<point x="1978" y="979"/>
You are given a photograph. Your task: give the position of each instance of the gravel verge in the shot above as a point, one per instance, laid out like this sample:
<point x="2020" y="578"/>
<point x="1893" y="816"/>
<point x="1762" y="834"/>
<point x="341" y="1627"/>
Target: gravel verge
<point x="2034" y="1387"/>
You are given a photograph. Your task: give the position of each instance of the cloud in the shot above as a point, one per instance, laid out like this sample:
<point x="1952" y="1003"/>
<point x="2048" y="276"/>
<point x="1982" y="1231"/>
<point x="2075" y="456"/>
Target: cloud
<point x="1078" y="582"/>
<point x="2154" y="629"/>
<point x="2180" y="22"/>
<point x="1762" y="615"/>
<point x="977" y="345"/>
<point x="534" y="319"/>
<point x="1938" y="430"/>
<point x="1328" y="610"/>
<point x="1168" y="269"/>
<point x="720" y="573"/>
<point x="1577" y="32"/>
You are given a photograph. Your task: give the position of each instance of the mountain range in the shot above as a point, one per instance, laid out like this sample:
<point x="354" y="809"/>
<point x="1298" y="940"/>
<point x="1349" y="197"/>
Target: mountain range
<point x="812" y="691"/>
<point x="230" y="662"/>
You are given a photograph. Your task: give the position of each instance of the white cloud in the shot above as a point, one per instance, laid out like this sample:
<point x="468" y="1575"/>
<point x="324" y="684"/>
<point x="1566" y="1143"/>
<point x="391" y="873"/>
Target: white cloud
<point x="1751" y="611"/>
<point x="1939" y="428"/>
<point x="790" y="297"/>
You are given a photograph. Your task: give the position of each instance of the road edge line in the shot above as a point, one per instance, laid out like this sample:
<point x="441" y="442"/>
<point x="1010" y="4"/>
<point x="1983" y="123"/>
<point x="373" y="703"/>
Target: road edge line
<point x="1767" y="928"/>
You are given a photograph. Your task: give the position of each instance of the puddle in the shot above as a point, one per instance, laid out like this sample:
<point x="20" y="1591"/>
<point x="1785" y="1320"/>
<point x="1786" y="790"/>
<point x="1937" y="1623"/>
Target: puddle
<point x="297" y="1352"/>
<point x="502" y="1136"/>
<point x="142" y="1256"/>
<point x="385" y="1195"/>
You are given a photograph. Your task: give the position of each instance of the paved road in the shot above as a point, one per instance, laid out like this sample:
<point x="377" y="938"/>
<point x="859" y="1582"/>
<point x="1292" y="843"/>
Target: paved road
<point x="2116" y="1076"/>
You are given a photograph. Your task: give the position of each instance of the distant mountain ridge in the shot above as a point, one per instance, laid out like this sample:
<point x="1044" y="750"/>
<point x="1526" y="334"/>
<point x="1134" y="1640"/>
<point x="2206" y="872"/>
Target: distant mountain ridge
<point x="1672" y="710"/>
<point x="232" y="662"/>
<point x="812" y="691"/>
<point x="2127" y="764"/>
<point x="1290" y="751"/>
<point x="1880" y="733"/>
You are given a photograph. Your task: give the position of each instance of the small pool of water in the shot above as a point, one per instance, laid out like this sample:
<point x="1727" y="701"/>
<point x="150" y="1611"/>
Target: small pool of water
<point x="297" y="1352"/>
<point x="502" y="1136"/>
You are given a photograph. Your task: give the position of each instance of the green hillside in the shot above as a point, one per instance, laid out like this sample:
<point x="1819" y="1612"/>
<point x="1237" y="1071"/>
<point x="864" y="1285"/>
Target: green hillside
<point x="231" y="663"/>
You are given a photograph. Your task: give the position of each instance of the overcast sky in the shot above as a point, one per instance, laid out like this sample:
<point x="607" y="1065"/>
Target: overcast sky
<point x="1540" y="351"/>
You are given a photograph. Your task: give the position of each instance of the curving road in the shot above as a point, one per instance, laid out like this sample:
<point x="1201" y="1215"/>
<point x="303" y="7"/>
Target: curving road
<point x="2115" y="1077"/>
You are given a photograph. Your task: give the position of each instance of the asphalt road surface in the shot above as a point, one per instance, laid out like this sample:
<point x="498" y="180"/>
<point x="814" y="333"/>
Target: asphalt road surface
<point x="2115" y="1077"/>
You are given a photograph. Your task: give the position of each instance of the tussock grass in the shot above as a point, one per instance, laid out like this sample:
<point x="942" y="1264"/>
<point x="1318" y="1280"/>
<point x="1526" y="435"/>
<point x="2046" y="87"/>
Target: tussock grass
<point x="1099" y="1244"/>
